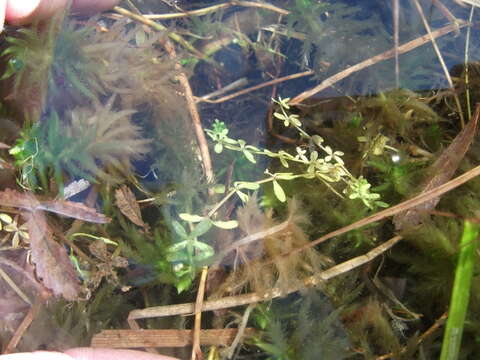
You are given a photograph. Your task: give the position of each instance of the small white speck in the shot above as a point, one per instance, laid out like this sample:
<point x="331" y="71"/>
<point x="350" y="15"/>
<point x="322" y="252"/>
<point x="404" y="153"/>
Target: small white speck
<point x="395" y="158"/>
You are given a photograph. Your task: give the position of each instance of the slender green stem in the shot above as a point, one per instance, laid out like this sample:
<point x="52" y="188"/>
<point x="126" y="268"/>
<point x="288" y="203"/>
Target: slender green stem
<point x="461" y="292"/>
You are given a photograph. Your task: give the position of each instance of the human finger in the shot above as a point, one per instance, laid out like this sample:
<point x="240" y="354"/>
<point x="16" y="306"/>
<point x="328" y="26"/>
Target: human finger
<point x="37" y="355"/>
<point x="25" y="11"/>
<point x="3" y="5"/>
<point x="112" y="354"/>
<point x="22" y="12"/>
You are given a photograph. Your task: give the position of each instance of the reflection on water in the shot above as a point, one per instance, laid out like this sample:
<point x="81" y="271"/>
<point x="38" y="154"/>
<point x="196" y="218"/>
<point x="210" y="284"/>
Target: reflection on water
<point x="229" y="140"/>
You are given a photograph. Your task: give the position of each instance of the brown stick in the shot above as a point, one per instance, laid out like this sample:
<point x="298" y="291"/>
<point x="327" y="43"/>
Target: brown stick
<point x="233" y="301"/>
<point x="257" y="87"/>
<point x="209" y="9"/>
<point x="440" y="58"/>
<point x="196" y="350"/>
<point x="396" y="16"/>
<point x="436" y="325"/>
<point x="192" y="107"/>
<point x="426" y="196"/>
<point x="27" y="320"/>
<point x="144" y="338"/>
<point x="373" y="60"/>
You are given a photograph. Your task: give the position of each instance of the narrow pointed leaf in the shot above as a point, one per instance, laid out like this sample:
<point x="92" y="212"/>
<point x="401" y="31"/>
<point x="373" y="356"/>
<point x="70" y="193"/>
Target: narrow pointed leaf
<point x="278" y="191"/>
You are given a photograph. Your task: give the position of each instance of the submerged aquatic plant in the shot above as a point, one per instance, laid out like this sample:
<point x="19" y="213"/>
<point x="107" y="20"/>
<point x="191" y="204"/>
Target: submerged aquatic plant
<point x="30" y="55"/>
<point x="303" y="328"/>
<point x="57" y="63"/>
<point x="319" y="162"/>
<point x="261" y="265"/>
<point x="92" y="144"/>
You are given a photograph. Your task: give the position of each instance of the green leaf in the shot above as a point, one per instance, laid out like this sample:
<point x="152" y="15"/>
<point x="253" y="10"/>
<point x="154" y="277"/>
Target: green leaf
<point x="183" y="284"/>
<point x="179" y="229"/>
<point x="317" y="140"/>
<point x="107" y="241"/>
<point x="280" y="116"/>
<point x="176" y="256"/>
<point x="218" y="148"/>
<point x="249" y="156"/>
<point x="6" y="218"/>
<point x="219" y="188"/>
<point x="246" y="185"/>
<point x="284" y="162"/>
<point x="242" y="196"/>
<point x="191" y="217"/>
<point x="201" y="228"/>
<point x="278" y="191"/>
<point x="205" y="250"/>
<point x="227" y="225"/>
<point x="176" y="248"/>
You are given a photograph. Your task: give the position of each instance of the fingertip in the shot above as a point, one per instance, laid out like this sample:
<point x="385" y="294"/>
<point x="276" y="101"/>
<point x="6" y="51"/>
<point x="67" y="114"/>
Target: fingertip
<point x="22" y="12"/>
<point x="18" y="11"/>
<point x="3" y="5"/>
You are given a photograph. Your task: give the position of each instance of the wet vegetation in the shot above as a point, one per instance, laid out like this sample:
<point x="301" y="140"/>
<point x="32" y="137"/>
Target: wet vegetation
<point x="332" y="213"/>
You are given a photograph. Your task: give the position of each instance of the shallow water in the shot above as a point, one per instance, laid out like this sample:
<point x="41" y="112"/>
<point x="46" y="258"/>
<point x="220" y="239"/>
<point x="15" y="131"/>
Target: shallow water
<point x="113" y="207"/>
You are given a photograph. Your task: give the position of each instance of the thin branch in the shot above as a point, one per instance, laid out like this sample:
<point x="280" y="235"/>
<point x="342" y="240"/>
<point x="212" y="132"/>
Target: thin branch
<point x="196" y="350"/>
<point x="436" y="325"/>
<point x="257" y="87"/>
<point x="373" y="60"/>
<point x="467" y="48"/>
<point x="27" y="320"/>
<point x="440" y="59"/>
<point x="197" y="123"/>
<point x="159" y="27"/>
<point x="396" y="16"/>
<point x="209" y="9"/>
<point x="25" y="273"/>
<point x="14" y="286"/>
<point x="239" y="300"/>
<point x="420" y="199"/>
<point x="241" y="331"/>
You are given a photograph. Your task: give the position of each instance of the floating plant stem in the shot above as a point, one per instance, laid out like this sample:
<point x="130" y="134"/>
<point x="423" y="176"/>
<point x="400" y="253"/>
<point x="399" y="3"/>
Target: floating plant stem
<point x="461" y="292"/>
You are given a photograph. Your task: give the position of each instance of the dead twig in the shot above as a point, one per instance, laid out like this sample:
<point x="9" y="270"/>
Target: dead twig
<point x="209" y="9"/>
<point x="159" y="27"/>
<point x="436" y="325"/>
<point x="408" y="204"/>
<point x="446" y="12"/>
<point x="257" y="87"/>
<point x="14" y="286"/>
<point x="27" y="320"/>
<point x="373" y="60"/>
<point x="440" y="59"/>
<point x="232" y="301"/>
<point x="192" y="107"/>
<point x="396" y="16"/>
<point x="241" y="331"/>
<point x="239" y="300"/>
<point x="149" y="338"/>
<point x="196" y="350"/>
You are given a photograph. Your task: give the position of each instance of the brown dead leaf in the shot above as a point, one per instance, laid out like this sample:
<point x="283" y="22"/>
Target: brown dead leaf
<point x="441" y="171"/>
<point x="16" y="199"/>
<point x="4" y="146"/>
<point x="106" y="266"/>
<point x="52" y="263"/>
<point x="74" y="210"/>
<point x="127" y="203"/>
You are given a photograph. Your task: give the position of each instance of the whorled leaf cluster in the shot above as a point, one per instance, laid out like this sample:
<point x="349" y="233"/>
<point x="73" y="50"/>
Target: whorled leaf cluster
<point x="62" y="76"/>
